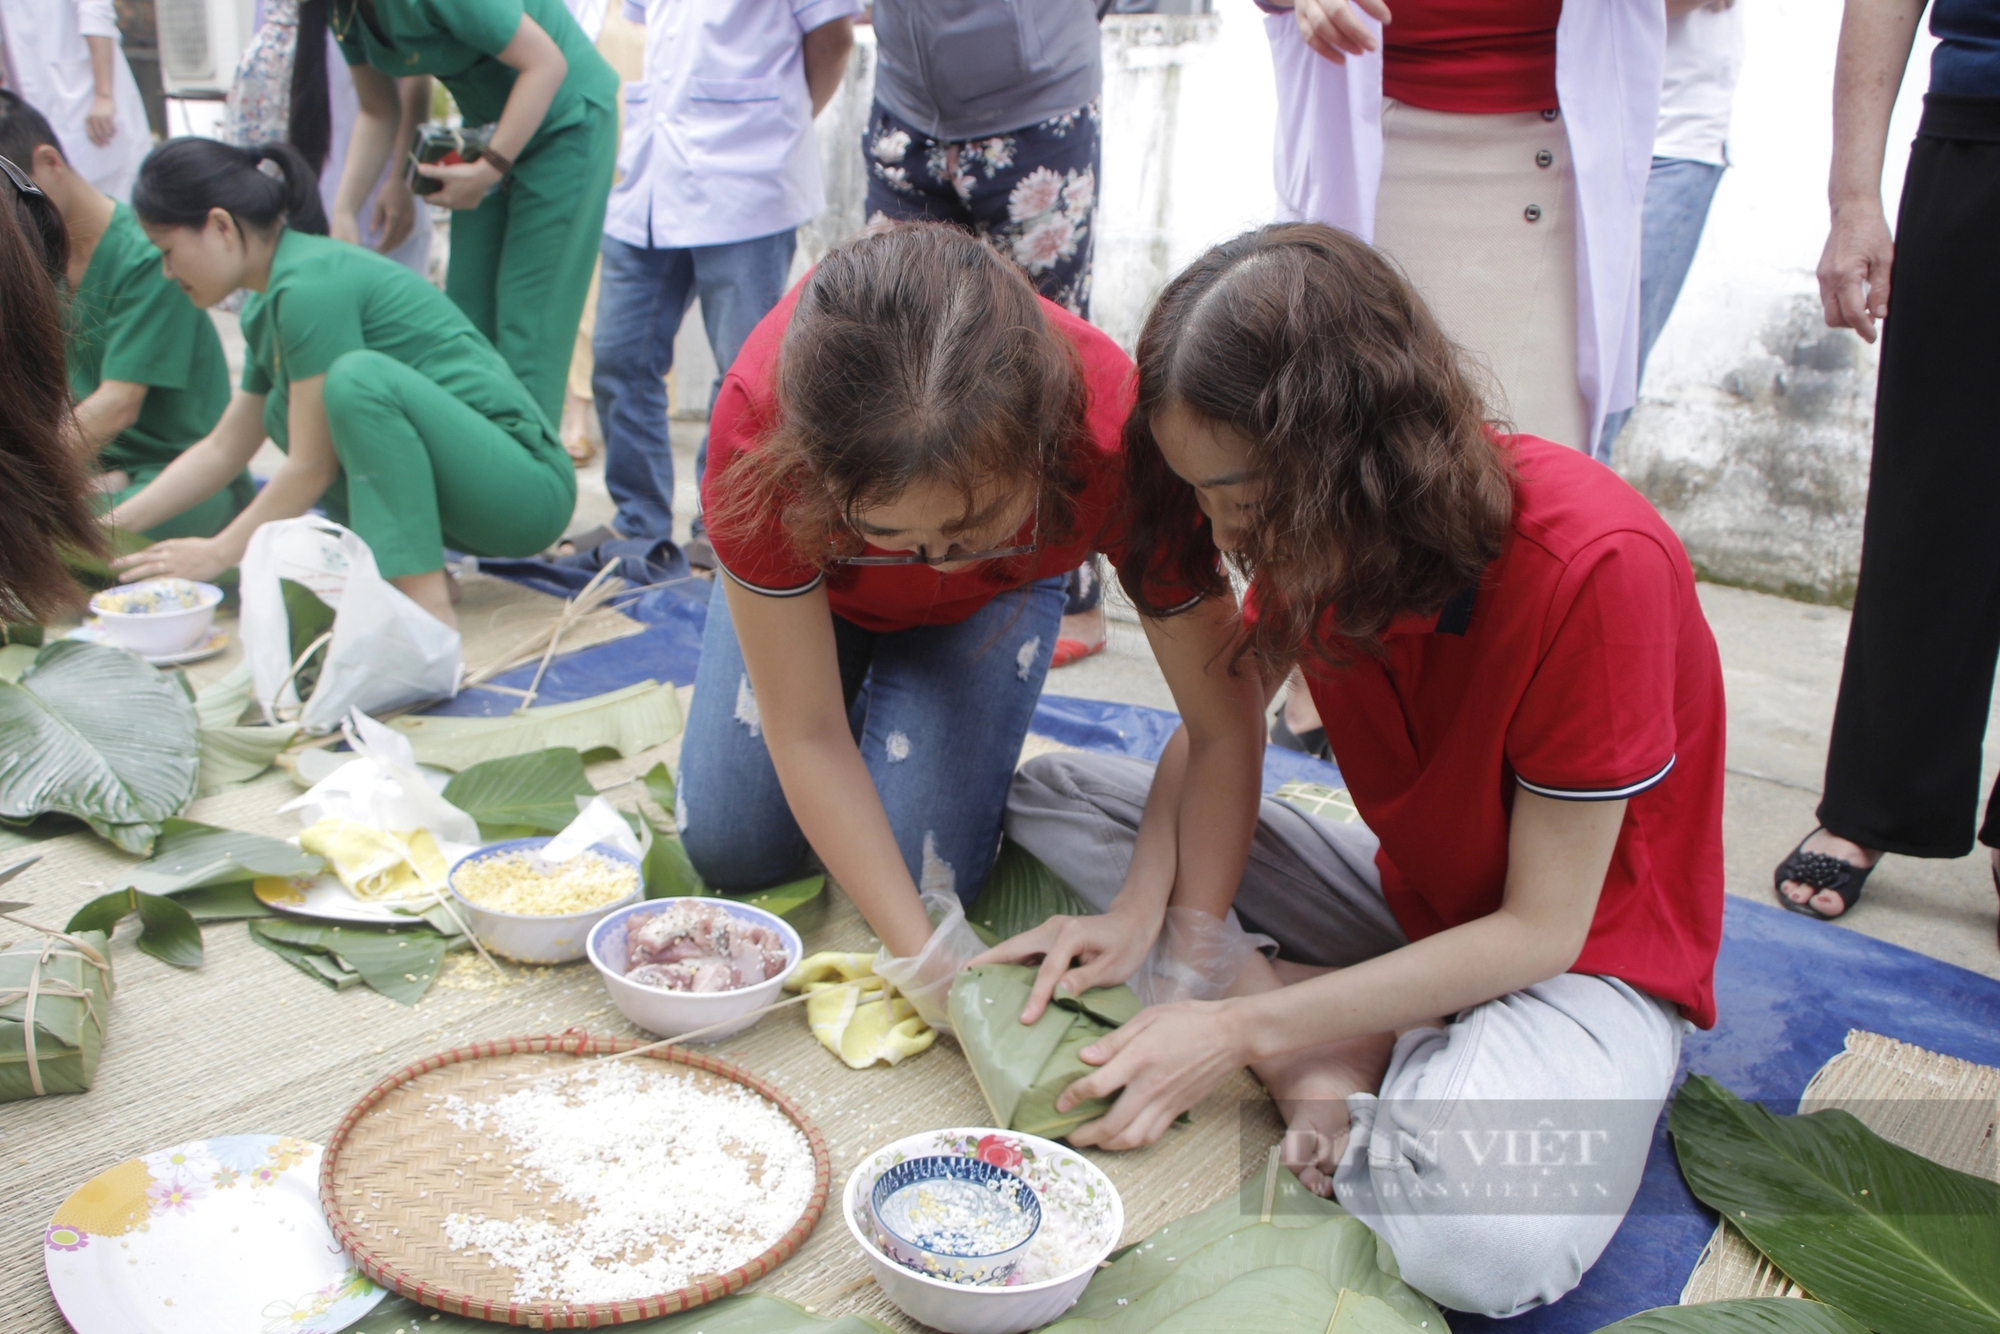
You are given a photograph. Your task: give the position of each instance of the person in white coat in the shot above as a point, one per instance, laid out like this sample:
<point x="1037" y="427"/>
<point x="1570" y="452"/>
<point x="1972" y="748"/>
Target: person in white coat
<point x="64" y="58"/>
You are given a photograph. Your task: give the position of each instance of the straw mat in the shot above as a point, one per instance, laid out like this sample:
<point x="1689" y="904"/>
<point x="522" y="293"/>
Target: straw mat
<point x="247" y="1044"/>
<point x="395" y="1171"/>
<point x="1938" y="1106"/>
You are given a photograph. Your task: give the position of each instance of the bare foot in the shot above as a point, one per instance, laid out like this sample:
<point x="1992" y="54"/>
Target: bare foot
<point x="1825" y="901"/>
<point x="1311" y="1088"/>
<point x="575" y="430"/>
<point x="1301" y="714"/>
<point x="431" y="591"/>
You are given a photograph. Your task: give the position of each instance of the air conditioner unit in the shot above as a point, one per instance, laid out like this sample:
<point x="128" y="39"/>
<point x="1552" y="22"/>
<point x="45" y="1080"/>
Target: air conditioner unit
<point x="200" y="44"/>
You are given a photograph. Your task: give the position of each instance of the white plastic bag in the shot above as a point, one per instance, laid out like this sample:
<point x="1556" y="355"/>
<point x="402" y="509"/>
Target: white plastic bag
<point x="383" y="790"/>
<point x="597" y="821"/>
<point x="386" y="651"/>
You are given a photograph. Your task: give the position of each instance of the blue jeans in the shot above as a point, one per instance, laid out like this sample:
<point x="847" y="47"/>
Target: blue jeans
<point x="939" y="712"/>
<point x="1678" y="193"/>
<point x="642" y="294"/>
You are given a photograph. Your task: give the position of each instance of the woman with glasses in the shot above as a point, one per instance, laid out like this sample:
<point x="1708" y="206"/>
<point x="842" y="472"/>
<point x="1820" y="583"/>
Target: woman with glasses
<point x="909" y="454"/>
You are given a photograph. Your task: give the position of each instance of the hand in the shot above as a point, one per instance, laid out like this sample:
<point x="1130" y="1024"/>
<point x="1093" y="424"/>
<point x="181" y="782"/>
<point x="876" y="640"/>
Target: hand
<point x="1854" y="269"/>
<point x="395" y="215"/>
<point x="1197" y="957"/>
<point x="101" y="121"/>
<point x="924" y="978"/>
<point x="200" y="558"/>
<point x="465" y="183"/>
<point x="1079" y="953"/>
<point x="344" y="227"/>
<point x="1167" y="1060"/>
<point x="1335" y="30"/>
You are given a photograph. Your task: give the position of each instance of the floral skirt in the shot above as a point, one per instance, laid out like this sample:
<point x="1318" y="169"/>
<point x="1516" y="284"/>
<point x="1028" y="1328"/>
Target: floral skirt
<point x="1032" y="192"/>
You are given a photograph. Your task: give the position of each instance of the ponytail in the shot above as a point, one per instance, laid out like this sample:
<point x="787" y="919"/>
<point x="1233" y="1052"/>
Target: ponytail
<point x="261" y="187"/>
<point x="311" y="116"/>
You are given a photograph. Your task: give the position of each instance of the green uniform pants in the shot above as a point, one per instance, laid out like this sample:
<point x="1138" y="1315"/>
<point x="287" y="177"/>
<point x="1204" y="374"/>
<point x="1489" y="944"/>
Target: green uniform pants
<point x="207" y="519"/>
<point x="422" y="471"/>
<point x="521" y="261"/>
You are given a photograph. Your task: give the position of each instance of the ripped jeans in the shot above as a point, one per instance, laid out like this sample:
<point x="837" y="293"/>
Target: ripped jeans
<point x="939" y="712"/>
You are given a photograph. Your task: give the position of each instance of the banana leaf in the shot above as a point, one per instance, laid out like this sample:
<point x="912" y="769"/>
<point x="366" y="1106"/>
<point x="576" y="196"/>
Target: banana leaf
<point x="307" y="618"/>
<point x="191" y="855"/>
<point x="16" y="658"/>
<point x="522" y="794"/>
<point x="167" y="931"/>
<point x="72" y="1008"/>
<point x="97" y="733"/>
<point x="1020" y="894"/>
<point x="400" y="963"/>
<point x="1748" y="1315"/>
<point x="625" y="721"/>
<point x="751" y="1313"/>
<point x="1195" y="1256"/>
<point x="233" y="753"/>
<point x="1900" y="1243"/>
<point x="1270" y="1299"/>
<point x="1023" y="1068"/>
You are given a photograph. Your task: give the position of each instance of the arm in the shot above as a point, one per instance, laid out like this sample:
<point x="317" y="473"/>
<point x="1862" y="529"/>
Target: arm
<point x="1334" y="28"/>
<point x="1201" y="811"/>
<point x="788" y="648"/>
<point x="309" y="468"/>
<point x="102" y="121"/>
<point x="540" y="69"/>
<point x="1875" y="41"/>
<point x="112" y="407"/>
<point x="826" y="49"/>
<point x="374" y="139"/>
<point x="1170" y="1057"/>
<point x="395" y="213"/>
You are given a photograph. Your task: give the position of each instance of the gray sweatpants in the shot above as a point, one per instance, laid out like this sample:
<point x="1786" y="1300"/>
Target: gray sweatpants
<point x="1503" y="1150"/>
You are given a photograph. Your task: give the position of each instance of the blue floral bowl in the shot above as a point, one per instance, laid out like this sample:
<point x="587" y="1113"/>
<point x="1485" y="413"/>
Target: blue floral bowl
<point x="955" y="1218"/>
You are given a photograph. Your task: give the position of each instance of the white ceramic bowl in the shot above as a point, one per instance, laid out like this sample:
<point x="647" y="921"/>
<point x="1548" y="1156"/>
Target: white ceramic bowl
<point x="667" y="1013"/>
<point x="1082" y="1219"/>
<point x="156" y="634"/>
<point x="536" y="937"/>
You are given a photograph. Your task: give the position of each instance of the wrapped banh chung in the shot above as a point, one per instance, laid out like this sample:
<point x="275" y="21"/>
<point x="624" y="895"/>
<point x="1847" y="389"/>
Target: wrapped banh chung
<point x="55" y="999"/>
<point x="1023" y="1068"/>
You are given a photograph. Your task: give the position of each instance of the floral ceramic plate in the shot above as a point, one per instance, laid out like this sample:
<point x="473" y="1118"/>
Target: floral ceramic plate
<point x="216" y="1236"/>
<point x="90" y="632"/>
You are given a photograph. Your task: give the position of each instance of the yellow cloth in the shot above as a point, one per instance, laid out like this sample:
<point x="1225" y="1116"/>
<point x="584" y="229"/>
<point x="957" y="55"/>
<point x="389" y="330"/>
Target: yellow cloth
<point x="374" y="863"/>
<point x="861" y="1024"/>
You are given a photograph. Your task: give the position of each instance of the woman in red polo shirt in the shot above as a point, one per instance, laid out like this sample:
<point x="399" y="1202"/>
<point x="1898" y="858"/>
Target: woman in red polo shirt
<point x="1475" y="1012"/>
<point x="909" y="454"/>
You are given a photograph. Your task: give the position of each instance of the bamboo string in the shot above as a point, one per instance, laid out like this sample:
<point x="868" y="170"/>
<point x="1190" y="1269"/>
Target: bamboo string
<point x="1270" y="1185"/>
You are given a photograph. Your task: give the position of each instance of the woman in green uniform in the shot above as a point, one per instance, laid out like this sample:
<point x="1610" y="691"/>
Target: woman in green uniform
<point x="146" y="371"/>
<point x="530" y="212"/>
<point x="398" y="418"/>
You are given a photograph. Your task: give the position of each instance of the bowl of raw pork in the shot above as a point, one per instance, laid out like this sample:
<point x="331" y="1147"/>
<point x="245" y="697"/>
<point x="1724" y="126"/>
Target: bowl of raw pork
<point x="676" y="965"/>
<point x="540" y="912"/>
<point x="1081" y="1218"/>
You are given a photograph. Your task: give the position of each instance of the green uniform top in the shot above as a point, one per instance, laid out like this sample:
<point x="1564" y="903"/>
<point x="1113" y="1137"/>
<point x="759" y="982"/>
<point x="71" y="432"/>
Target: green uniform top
<point x="459" y="40"/>
<point x="128" y="321"/>
<point x="327" y="297"/>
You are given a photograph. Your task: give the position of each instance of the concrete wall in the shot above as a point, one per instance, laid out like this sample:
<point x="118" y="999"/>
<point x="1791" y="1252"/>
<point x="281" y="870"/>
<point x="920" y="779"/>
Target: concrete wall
<point x="1752" y="432"/>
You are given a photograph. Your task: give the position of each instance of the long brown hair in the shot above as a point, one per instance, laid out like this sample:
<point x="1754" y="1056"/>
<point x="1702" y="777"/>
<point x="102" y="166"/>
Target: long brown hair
<point x="1384" y="491"/>
<point x="916" y="353"/>
<point x="44" y="493"/>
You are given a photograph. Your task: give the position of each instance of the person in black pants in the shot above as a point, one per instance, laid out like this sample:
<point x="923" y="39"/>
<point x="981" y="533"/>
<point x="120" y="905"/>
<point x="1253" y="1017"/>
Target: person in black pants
<point x="1902" y="772"/>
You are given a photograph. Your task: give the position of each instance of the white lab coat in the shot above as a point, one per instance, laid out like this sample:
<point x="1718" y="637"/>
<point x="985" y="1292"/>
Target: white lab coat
<point x="48" y="67"/>
<point x="1609" y="55"/>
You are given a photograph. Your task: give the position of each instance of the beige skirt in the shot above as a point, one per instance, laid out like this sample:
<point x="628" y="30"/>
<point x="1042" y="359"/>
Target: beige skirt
<point x="1480" y="211"/>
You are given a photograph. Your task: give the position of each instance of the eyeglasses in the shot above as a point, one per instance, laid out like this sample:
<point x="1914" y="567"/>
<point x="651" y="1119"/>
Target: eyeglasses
<point x="952" y="556"/>
<point x="22" y="181"/>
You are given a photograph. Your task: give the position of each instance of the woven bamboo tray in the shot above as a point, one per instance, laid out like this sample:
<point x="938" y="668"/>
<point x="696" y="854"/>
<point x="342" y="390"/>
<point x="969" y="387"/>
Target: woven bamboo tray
<point x="391" y="1174"/>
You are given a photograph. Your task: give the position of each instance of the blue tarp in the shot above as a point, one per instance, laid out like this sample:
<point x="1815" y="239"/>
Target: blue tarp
<point x="1788" y="988"/>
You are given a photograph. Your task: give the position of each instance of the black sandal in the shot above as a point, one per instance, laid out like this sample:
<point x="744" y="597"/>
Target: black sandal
<point x="1821" y="871"/>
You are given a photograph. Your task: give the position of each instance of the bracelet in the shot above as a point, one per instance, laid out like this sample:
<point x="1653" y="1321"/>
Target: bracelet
<point x="500" y="161"/>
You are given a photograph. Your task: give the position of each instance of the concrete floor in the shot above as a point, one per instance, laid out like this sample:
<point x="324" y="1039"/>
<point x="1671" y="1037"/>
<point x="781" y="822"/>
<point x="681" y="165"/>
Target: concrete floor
<point x="1781" y="669"/>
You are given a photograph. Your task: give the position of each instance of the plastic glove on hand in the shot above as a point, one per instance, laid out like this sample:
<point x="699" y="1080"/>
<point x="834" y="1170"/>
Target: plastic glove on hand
<point x="853" y="1013"/>
<point x="1196" y="957"/>
<point x="925" y="978"/>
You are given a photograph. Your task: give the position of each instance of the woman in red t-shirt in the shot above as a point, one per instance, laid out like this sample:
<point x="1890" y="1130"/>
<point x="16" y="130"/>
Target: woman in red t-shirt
<point x="907" y="456"/>
<point x="1475" y="1012"/>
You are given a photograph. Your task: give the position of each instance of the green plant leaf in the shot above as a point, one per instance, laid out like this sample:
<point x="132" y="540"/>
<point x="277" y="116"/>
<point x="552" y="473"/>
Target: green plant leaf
<point x="1020" y="894"/>
<point x="307" y="618"/>
<point x="1023" y="1068"/>
<point x="97" y="733"/>
<point x="224" y="903"/>
<point x="232" y="755"/>
<point x="15" y="659"/>
<point x="660" y="786"/>
<point x="669" y="873"/>
<point x="784" y="899"/>
<point x="190" y="855"/>
<point x="1898" y="1242"/>
<point x="167" y="931"/>
<point x="522" y="794"/>
<point x="1749" y="1315"/>
<point x="28" y="636"/>
<point x="315" y="964"/>
<point x="751" y="1313"/>
<point x="627" y="721"/>
<point x="400" y="962"/>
